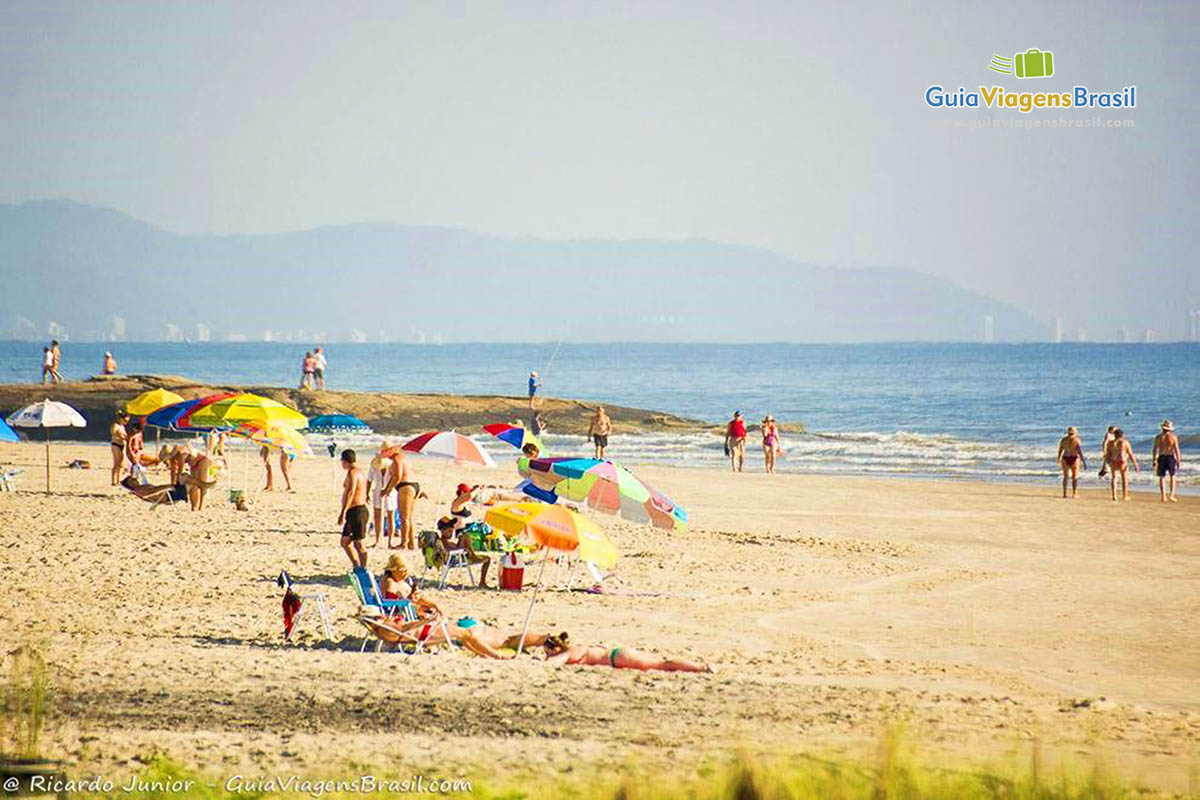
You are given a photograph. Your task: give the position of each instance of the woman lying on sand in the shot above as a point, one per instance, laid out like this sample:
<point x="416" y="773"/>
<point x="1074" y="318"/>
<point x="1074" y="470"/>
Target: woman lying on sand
<point x="466" y="632"/>
<point x="559" y="652"/>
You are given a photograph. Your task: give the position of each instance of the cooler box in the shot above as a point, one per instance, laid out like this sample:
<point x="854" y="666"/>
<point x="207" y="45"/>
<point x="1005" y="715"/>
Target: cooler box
<point x="512" y="572"/>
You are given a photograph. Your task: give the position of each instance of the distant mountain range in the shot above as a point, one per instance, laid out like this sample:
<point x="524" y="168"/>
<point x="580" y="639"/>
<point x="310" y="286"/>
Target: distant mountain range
<point x="79" y="266"/>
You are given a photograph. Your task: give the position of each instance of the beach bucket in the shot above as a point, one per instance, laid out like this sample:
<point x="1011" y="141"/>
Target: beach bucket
<point x="512" y="572"/>
<point x="236" y="494"/>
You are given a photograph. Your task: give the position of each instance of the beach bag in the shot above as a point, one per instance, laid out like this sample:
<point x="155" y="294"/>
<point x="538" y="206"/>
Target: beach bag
<point x="431" y="548"/>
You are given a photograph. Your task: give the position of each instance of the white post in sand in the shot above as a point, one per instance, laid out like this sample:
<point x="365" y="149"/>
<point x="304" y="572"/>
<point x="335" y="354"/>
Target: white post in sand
<point x="532" y="600"/>
<point x="47" y="459"/>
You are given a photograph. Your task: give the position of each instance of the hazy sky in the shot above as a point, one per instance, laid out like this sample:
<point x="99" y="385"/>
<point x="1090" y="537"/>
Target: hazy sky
<point x="801" y="128"/>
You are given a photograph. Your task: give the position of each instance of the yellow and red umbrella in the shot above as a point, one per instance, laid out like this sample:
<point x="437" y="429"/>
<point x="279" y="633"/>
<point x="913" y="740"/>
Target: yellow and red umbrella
<point x="556" y="528"/>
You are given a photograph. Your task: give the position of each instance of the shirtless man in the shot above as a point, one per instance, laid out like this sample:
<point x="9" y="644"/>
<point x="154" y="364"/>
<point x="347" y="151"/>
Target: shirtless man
<point x="1166" y="458"/>
<point x="1070" y="458"/>
<point x="354" y="515"/>
<point x="599" y="429"/>
<point x="1118" y="455"/>
<point x="406" y="490"/>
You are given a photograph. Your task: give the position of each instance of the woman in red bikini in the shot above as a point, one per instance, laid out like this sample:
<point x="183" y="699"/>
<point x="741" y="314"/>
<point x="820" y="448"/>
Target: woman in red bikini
<point x="1070" y="457"/>
<point x="1118" y="455"/>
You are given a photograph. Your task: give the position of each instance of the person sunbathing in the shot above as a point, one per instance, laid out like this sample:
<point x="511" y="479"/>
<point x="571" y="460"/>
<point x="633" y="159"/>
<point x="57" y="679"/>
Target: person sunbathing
<point x="559" y="651"/>
<point x="156" y="495"/>
<point x="466" y="632"/>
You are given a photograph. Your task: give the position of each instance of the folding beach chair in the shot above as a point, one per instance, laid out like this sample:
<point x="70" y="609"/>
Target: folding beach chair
<point x="435" y="560"/>
<point x="9" y="479"/>
<point x="397" y="617"/>
<point x="284" y="581"/>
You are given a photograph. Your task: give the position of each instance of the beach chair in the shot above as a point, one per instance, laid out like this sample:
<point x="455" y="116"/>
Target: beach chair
<point x="284" y="581"/>
<point x="398" y="617"/>
<point x="445" y="560"/>
<point x="9" y="479"/>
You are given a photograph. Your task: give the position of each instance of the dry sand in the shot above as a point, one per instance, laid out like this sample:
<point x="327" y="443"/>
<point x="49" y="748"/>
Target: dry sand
<point x="986" y="616"/>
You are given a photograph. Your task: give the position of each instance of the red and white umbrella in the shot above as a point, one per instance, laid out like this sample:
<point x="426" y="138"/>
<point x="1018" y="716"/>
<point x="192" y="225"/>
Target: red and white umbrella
<point x="451" y="445"/>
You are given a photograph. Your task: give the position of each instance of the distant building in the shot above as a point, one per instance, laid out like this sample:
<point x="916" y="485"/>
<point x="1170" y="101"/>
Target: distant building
<point x="203" y="334"/>
<point x="1123" y="335"/>
<point x="1080" y="335"/>
<point x="1193" y="326"/>
<point x="26" y="329"/>
<point x="235" y="337"/>
<point x="1058" y="330"/>
<point x="268" y="336"/>
<point x="173" y="333"/>
<point x="357" y="336"/>
<point x="116" y="328"/>
<point x="1148" y="336"/>
<point x="989" y="332"/>
<point x="57" y="331"/>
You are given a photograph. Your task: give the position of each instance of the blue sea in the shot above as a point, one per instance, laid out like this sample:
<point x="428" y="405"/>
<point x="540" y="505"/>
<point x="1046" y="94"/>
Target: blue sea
<point x="987" y="411"/>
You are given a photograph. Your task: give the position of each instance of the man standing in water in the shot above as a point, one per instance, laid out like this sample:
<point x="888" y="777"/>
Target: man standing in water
<point x="535" y="383"/>
<point x="1166" y="458"/>
<point x="354" y="515"/>
<point x="1070" y="458"/>
<point x="599" y="429"/>
<point x="1118" y="455"/>
<point x="735" y="441"/>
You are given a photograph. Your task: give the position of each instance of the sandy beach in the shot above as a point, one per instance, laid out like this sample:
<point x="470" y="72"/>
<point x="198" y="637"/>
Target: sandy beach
<point x="985" y="617"/>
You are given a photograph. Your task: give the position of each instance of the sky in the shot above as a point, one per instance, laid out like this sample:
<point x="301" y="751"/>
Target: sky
<point x="799" y="128"/>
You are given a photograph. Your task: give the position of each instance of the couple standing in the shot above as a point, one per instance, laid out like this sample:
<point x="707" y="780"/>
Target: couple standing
<point x="735" y="442"/>
<point x="390" y="488"/>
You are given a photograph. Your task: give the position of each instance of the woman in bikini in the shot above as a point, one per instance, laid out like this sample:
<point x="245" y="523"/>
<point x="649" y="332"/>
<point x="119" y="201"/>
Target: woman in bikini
<point x="560" y="651"/>
<point x="1119" y="455"/>
<point x="118" y="436"/>
<point x="407" y="491"/>
<point x="1070" y="457"/>
<point x="770" y="442"/>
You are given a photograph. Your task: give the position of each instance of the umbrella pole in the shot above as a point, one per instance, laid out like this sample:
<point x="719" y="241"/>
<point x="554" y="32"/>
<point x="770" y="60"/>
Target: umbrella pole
<point x="532" y="600"/>
<point x="47" y="460"/>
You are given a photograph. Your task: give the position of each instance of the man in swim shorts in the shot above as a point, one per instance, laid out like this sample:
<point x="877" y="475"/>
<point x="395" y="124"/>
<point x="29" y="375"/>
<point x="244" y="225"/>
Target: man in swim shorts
<point x="1166" y="459"/>
<point x="354" y="515"/>
<point x="1070" y="458"/>
<point x="599" y="430"/>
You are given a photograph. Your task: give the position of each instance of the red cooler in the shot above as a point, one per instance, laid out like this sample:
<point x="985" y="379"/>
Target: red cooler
<point x="512" y="572"/>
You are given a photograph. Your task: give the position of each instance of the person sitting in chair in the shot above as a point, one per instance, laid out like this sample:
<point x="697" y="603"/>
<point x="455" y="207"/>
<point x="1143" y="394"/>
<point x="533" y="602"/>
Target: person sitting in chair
<point x="397" y="583"/>
<point x="452" y="537"/>
<point x="156" y="495"/>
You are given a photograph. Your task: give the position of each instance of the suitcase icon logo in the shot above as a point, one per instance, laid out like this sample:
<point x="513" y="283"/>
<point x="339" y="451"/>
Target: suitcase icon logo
<point x="1033" y="63"/>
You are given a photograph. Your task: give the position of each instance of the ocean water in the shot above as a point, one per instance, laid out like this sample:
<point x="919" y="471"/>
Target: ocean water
<point x="989" y="411"/>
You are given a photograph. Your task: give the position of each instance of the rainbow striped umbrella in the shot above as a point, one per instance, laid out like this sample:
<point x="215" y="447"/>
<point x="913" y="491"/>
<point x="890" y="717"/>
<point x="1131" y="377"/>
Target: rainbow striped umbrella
<point x="275" y="436"/>
<point x="450" y="445"/>
<point x="606" y="487"/>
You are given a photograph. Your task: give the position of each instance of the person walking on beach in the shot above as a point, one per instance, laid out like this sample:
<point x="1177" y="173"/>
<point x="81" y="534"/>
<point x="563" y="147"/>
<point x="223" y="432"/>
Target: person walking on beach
<point x="1070" y="459"/>
<point x="117" y="437"/>
<point x="1166" y="458"/>
<point x="48" y="366"/>
<point x="265" y="455"/>
<point x="599" y="430"/>
<point x="319" y="364"/>
<point x="770" y="442"/>
<point x="1118" y="456"/>
<point x="735" y="441"/>
<point x="307" y="367"/>
<point x="285" y="469"/>
<point x="353" y="516"/>
<point x="535" y="383"/>
<point x="1108" y="437"/>
<point x="109" y="367"/>
<point x="57" y="354"/>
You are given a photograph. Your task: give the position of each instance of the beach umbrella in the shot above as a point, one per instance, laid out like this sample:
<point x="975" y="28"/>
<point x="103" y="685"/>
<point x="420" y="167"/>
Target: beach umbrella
<point x="151" y="401"/>
<point x="555" y="528"/>
<point x="449" y="445"/>
<point x="515" y="435"/>
<point x="606" y="487"/>
<point x="47" y="414"/>
<point x="275" y="436"/>
<point x="329" y="423"/>
<point x="245" y="408"/>
<point x="7" y="434"/>
<point x="176" y="417"/>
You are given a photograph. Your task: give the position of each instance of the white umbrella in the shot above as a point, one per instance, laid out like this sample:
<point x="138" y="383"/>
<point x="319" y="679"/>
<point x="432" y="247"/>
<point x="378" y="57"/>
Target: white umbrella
<point x="47" y="414"/>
